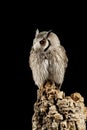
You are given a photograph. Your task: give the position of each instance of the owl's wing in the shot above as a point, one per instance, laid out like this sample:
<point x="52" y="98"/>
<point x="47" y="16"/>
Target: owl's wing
<point x="62" y="54"/>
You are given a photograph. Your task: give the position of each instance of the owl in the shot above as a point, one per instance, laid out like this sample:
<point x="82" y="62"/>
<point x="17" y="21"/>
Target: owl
<point x="47" y="60"/>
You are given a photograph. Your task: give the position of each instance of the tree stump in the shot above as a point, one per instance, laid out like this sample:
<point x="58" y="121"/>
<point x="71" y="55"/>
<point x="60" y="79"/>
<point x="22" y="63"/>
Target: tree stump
<point x="55" y="111"/>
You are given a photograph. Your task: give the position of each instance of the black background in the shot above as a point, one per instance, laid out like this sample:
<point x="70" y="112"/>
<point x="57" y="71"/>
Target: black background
<point x="19" y="22"/>
<point x="72" y="37"/>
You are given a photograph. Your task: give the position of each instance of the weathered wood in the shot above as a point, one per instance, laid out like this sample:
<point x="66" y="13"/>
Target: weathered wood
<point x="55" y="111"/>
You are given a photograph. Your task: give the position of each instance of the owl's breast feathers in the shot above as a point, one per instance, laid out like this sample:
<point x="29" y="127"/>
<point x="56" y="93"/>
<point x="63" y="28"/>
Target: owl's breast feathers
<point x="58" y="53"/>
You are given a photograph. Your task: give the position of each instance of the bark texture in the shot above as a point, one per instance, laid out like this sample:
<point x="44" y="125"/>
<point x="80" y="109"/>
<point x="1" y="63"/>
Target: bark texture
<point x="55" y="111"/>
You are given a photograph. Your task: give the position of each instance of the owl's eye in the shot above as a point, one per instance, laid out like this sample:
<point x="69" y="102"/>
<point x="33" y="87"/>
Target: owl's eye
<point x="42" y="42"/>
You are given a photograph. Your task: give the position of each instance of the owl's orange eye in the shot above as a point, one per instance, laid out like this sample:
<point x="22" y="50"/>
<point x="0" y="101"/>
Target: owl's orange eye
<point x="42" y="42"/>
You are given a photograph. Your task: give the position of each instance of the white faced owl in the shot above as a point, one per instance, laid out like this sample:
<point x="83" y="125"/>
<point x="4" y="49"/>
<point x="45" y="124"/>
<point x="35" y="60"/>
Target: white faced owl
<point x="48" y="59"/>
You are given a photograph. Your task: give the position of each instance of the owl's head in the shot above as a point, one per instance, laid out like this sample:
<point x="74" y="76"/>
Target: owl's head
<point x="44" y="40"/>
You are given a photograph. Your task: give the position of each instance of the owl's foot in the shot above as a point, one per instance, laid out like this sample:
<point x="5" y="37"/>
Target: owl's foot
<point x="58" y="85"/>
<point x="52" y="83"/>
<point x="49" y="81"/>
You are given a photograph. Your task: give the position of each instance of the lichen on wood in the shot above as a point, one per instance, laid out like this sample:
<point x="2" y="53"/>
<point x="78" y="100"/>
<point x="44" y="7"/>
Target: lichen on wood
<point x="55" y="111"/>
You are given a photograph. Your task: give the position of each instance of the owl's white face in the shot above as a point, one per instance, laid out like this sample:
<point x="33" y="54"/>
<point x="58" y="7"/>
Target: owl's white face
<point x="41" y="41"/>
<point x="44" y="40"/>
<point x="41" y="44"/>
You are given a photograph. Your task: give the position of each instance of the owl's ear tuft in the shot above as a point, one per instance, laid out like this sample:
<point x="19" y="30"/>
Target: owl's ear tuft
<point x="49" y="33"/>
<point x="37" y="32"/>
